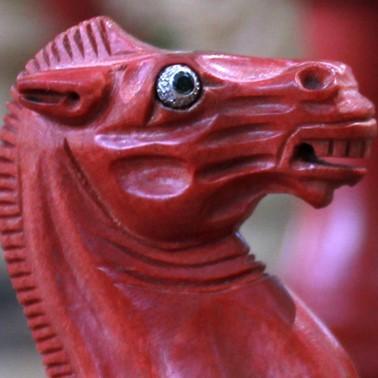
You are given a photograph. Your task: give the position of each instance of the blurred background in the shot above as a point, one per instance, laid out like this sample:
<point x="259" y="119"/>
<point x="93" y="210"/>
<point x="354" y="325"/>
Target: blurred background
<point x="275" y="28"/>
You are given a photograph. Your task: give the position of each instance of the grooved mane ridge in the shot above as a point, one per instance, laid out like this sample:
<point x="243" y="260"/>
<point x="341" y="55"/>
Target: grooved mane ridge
<point x="16" y="254"/>
<point x="94" y="41"/>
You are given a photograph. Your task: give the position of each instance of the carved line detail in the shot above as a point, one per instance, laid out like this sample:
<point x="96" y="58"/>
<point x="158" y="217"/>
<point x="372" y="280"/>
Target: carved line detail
<point x="79" y="42"/>
<point x="161" y="263"/>
<point x="199" y="284"/>
<point x="92" y="38"/>
<point x="75" y="166"/>
<point x="104" y="36"/>
<point x="55" y="51"/>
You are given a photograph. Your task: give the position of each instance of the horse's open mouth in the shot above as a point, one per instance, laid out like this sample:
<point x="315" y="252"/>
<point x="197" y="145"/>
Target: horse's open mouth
<point x="335" y="158"/>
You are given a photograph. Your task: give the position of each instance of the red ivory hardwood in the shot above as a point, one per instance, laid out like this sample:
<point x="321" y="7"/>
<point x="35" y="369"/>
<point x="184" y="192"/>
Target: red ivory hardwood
<point x="126" y="172"/>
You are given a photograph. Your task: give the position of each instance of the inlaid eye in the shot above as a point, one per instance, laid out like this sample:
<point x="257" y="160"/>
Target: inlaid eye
<point x="178" y="87"/>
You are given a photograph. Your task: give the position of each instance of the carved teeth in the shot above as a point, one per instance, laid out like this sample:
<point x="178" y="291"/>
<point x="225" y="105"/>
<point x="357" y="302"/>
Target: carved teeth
<point x="355" y="149"/>
<point x="321" y="147"/>
<point x="340" y="148"/>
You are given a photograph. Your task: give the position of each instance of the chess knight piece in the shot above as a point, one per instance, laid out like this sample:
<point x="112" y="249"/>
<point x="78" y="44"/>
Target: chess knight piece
<point x="126" y="172"/>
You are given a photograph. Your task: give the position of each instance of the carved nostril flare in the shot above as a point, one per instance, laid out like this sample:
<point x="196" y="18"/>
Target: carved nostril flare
<point x="315" y="78"/>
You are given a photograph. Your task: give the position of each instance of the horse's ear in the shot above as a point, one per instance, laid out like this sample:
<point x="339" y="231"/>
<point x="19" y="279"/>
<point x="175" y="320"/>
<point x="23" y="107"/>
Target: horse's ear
<point x="65" y="94"/>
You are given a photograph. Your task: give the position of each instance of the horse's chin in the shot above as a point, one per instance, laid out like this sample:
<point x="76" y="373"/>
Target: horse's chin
<point x="318" y="193"/>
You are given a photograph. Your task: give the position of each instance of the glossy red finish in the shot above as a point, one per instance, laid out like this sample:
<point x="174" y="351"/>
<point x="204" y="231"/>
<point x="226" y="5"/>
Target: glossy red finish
<point x="120" y="215"/>
<point x="331" y="256"/>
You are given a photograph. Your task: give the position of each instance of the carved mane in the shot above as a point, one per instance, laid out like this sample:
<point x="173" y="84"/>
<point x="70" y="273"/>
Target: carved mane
<point x="17" y="255"/>
<point x="92" y="42"/>
<point x="96" y="41"/>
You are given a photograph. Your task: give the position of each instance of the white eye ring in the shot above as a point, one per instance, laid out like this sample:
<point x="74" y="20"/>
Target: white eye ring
<point x="178" y="86"/>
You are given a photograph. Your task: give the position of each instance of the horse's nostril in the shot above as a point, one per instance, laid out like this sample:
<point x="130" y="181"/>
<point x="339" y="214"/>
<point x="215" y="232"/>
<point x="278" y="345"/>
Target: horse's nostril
<point x="311" y="81"/>
<point x="315" y="78"/>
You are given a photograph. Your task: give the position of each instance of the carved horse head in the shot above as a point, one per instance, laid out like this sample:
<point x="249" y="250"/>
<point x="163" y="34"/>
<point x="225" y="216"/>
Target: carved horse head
<point x="170" y="150"/>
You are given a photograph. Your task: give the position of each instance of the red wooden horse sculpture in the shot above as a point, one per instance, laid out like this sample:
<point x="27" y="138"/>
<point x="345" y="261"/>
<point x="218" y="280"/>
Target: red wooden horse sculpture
<point x="125" y="174"/>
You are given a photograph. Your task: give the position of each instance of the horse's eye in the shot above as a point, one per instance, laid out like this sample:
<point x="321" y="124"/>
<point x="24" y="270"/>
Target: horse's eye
<point x="178" y="87"/>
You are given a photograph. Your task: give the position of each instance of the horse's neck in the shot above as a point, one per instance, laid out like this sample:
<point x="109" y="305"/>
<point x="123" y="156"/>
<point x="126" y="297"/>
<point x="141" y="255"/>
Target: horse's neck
<point x="82" y="266"/>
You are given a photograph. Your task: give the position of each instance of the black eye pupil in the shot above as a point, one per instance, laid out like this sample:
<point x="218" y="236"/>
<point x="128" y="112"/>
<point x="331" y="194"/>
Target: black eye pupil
<point x="183" y="83"/>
